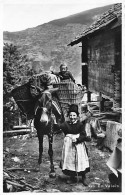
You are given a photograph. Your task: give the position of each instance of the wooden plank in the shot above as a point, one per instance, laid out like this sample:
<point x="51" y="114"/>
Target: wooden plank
<point x="20" y="127"/>
<point x="16" y="132"/>
<point x="22" y="169"/>
<point x="15" y="184"/>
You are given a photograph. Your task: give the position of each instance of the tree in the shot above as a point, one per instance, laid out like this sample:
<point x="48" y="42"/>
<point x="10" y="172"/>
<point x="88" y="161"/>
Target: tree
<point x="15" y="67"/>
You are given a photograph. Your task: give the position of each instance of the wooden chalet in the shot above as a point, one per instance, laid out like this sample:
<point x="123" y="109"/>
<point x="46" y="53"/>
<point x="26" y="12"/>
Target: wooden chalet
<point x="101" y="55"/>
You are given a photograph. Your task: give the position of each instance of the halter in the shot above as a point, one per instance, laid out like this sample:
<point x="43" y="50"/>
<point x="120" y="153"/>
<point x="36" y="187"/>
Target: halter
<point x="44" y="108"/>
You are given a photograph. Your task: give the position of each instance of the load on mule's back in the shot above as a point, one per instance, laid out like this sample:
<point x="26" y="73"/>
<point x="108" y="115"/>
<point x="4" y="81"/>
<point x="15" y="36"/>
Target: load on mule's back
<point x="26" y="95"/>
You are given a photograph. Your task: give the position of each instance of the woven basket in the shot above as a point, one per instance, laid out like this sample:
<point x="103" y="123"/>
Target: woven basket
<point x="22" y="92"/>
<point x="24" y="100"/>
<point x="69" y="93"/>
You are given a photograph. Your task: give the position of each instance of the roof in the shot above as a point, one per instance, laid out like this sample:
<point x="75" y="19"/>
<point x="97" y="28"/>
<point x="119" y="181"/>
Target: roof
<point x="112" y="16"/>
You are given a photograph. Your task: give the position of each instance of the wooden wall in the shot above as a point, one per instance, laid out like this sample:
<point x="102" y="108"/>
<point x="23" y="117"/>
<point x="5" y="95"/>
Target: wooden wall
<point x="118" y="71"/>
<point x="101" y="63"/>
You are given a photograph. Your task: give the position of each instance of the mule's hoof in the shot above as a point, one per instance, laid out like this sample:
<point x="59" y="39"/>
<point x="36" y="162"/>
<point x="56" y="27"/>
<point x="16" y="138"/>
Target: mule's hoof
<point x="52" y="175"/>
<point x="39" y="161"/>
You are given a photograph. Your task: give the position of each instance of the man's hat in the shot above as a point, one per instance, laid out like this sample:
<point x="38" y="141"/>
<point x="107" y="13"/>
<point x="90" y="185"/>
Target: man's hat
<point x="73" y="108"/>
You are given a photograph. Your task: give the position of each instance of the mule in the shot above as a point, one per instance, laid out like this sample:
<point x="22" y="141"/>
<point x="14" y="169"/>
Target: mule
<point x="47" y="105"/>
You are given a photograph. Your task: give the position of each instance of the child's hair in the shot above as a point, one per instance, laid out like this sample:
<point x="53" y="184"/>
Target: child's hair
<point x="63" y="64"/>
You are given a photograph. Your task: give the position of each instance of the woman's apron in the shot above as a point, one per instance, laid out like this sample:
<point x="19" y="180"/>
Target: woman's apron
<point x="74" y="158"/>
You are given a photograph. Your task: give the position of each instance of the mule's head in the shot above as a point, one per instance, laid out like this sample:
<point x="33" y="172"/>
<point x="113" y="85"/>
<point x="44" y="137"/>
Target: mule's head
<point x="44" y="107"/>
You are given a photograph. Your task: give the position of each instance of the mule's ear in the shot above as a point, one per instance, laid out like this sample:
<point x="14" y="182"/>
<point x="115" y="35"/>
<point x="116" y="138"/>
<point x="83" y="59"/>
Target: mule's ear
<point x="52" y="90"/>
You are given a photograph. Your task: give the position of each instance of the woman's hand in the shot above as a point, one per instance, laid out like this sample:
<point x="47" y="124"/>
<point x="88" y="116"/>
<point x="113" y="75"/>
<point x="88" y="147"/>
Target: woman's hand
<point x="74" y="142"/>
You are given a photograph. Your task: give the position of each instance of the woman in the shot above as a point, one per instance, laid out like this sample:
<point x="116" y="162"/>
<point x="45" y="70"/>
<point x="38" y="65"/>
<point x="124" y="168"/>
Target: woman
<point x="74" y="154"/>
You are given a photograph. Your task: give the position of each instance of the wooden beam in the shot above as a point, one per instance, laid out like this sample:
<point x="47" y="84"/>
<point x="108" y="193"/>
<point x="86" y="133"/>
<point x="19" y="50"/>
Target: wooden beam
<point x="20" y="127"/>
<point x="16" y="132"/>
<point x="89" y="96"/>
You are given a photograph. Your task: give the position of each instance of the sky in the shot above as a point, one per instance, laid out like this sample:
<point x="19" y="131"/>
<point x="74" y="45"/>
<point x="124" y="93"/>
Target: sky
<point x="22" y="14"/>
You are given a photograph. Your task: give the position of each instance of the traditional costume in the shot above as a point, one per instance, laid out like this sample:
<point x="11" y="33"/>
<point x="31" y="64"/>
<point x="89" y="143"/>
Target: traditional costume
<point x="75" y="159"/>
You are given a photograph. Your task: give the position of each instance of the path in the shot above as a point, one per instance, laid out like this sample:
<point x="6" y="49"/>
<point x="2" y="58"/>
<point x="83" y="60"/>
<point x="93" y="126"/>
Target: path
<point x="26" y="151"/>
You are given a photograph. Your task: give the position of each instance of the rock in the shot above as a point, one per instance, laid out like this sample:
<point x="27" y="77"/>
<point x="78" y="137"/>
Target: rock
<point x="52" y="190"/>
<point x="80" y="187"/>
<point x="16" y="159"/>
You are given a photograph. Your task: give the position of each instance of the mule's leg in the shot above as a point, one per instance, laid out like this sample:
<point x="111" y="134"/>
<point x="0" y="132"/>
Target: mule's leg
<point x="50" y="152"/>
<point x="40" y="138"/>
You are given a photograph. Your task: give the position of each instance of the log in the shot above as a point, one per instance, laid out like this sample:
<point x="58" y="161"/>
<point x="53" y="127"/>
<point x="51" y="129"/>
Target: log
<point x="15" y="184"/>
<point x="22" y="169"/>
<point x="13" y="181"/>
<point x="16" y="132"/>
<point x="20" y="127"/>
<point x="18" y="179"/>
<point x="10" y="174"/>
<point x="28" y="185"/>
<point x="22" y="184"/>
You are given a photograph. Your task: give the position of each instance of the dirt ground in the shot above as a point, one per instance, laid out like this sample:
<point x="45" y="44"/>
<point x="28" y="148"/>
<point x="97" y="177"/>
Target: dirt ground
<point x="22" y="152"/>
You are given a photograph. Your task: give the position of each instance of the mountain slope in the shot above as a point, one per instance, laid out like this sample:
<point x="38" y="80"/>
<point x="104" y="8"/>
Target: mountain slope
<point x="46" y="44"/>
<point x="85" y="17"/>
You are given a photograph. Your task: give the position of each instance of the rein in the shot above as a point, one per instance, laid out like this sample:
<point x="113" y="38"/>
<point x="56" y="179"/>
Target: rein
<point x="51" y="127"/>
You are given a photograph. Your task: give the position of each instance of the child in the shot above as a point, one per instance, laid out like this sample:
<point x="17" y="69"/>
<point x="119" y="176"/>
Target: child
<point x="64" y="74"/>
<point x="74" y="153"/>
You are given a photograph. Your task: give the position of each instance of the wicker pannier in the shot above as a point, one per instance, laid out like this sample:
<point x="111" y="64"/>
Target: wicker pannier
<point x="69" y="93"/>
<point x="24" y="100"/>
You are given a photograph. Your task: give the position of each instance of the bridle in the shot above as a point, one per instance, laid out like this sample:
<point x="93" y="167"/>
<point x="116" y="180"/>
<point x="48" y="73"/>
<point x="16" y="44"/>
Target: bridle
<point x="45" y="110"/>
<point x="42" y="107"/>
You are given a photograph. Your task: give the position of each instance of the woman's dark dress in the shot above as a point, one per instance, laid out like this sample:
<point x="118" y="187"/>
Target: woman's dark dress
<point x="77" y="131"/>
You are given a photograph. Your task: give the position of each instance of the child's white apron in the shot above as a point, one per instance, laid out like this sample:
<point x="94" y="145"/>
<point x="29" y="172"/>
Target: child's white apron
<point x="74" y="158"/>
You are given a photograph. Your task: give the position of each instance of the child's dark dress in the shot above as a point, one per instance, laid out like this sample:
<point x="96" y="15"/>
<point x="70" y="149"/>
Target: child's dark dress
<point x="74" y="158"/>
<point x="65" y="75"/>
